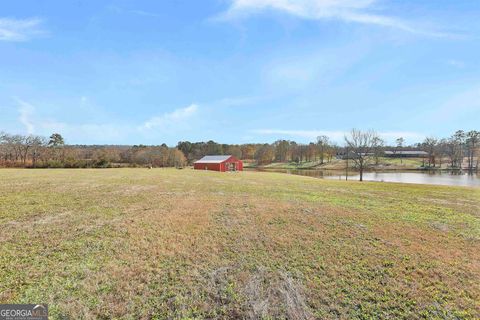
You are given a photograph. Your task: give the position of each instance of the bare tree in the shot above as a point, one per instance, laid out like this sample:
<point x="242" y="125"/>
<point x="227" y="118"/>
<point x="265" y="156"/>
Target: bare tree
<point x="472" y="141"/>
<point x="24" y="147"/>
<point x="361" y="145"/>
<point x="441" y="150"/>
<point x="430" y="146"/>
<point x="265" y="154"/>
<point x="282" y="148"/>
<point x="4" y="148"/>
<point x="16" y="141"/>
<point x="37" y="146"/>
<point x="378" y="146"/>
<point x="332" y="151"/>
<point x="455" y="149"/>
<point x="323" y="144"/>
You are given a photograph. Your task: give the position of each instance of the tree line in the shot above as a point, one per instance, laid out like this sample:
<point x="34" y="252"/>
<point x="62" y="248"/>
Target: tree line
<point x="280" y="151"/>
<point x="460" y="150"/>
<point x="367" y="145"/>
<point x="39" y="152"/>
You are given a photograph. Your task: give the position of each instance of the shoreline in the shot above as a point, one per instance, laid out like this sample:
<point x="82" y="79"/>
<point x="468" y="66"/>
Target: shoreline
<point x="370" y="169"/>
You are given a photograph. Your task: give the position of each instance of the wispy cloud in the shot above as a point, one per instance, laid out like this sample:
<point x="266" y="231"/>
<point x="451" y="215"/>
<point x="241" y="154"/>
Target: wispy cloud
<point x="175" y="117"/>
<point x="315" y="67"/>
<point x="308" y="134"/>
<point x="92" y="132"/>
<point x="172" y="123"/>
<point x="144" y="13"/>
<point x="337" y="136"/>
<point x="456" y="63"/>
<point x="20" y="29"/>
<point x="26" y="111"/>
<point x="358" y="11"/>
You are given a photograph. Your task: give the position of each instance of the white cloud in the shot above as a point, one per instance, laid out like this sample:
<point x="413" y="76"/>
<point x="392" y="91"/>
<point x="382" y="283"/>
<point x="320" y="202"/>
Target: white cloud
<point x="20" y="29"/>
<point x="456" y="63"/>
<point x="170" y="119"/>
<point x="92" y="132"/>
<point x="338" y="136"/>
<point x="34" y="123"/>
<point x="26" y="111"/>
<point x="358" y="11"/>
<point x="302" y="8"/>
<point x="174" y="123"/>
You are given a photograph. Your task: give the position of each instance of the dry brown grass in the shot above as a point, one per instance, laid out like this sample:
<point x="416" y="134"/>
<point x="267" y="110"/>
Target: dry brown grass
<point x="146" y="244"/>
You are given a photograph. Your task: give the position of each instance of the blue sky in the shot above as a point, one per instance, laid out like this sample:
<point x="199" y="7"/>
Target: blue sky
<point x="238" y="71"/>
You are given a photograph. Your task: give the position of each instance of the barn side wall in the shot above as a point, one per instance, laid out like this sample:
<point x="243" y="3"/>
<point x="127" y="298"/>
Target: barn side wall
<point x="238" y="163"/>
<point x="207" y="166"/>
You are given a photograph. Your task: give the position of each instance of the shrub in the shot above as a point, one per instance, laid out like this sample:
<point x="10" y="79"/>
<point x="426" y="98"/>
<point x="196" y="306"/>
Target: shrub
<point x="54" y="164"/>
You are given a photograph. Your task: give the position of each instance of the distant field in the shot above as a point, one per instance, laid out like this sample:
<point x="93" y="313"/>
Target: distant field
<point x="166" y="243"/>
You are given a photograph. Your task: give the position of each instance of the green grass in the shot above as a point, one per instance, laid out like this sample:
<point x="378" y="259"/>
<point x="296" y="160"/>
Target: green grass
<point x="166" y="243"/>
<point x="412" y="163"/>
<point x="293" y="165"/>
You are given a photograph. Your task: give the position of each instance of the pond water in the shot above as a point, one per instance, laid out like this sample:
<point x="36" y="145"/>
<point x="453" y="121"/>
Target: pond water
<point x="419" y="177"/>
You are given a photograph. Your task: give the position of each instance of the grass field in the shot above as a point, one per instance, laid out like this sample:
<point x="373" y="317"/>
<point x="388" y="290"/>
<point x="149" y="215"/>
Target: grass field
<point x="166" y="243"/>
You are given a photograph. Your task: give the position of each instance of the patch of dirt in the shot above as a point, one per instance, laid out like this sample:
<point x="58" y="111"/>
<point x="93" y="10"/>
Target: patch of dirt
<point x="10" y="230"/>
<point x="275" y="295"/>
<point x="135" y="189"/>
<point x="263" y="294"/>
<point x="439" y="226"/>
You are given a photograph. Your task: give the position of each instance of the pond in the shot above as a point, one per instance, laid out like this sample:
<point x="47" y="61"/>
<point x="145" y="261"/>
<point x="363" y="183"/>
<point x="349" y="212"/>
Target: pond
<point x="419" y="177"/>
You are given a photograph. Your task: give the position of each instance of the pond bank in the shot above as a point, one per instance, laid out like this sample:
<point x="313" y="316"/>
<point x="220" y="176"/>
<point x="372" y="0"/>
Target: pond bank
<point x="433" y="177"/>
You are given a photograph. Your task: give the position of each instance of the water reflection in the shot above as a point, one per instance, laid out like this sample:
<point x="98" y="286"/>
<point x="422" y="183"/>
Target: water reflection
<point x="453" y="178"/>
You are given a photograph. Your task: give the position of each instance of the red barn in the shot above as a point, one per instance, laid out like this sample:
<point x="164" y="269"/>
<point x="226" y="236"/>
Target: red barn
<point x="219" y="163"/>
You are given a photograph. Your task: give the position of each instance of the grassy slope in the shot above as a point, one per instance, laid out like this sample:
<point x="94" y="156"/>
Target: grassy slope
<point x="137" y="243"/>
<point x="335" y="164"/>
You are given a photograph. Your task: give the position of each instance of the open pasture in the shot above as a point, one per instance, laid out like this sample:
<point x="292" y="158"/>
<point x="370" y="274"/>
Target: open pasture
<point x="166" y="243"/>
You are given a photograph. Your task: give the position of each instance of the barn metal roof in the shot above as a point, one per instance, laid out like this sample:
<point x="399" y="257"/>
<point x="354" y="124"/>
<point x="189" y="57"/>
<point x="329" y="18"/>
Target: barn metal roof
<point x="213" y="159"/>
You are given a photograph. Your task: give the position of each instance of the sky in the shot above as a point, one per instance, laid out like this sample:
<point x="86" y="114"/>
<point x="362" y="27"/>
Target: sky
<point x="238" y="71"/>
